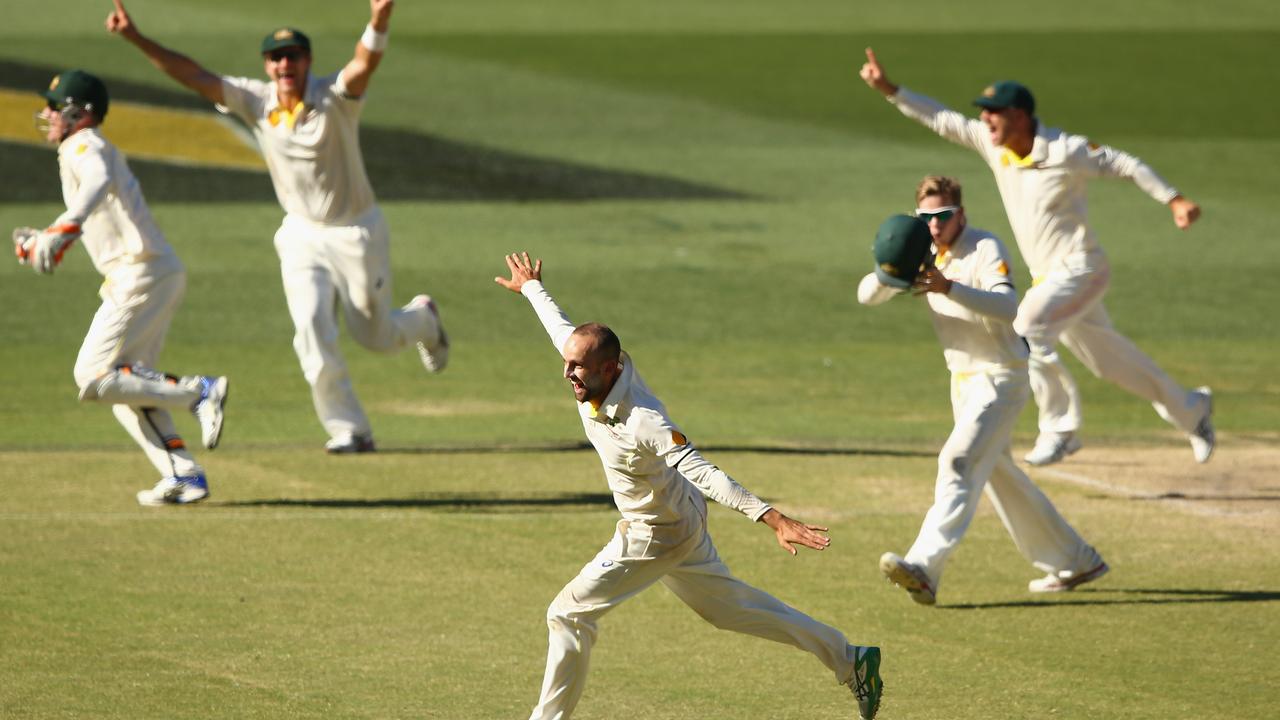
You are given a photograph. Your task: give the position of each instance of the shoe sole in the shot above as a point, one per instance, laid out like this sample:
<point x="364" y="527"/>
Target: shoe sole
<point x="895" y="573"/>
<point x="223" y="385"/>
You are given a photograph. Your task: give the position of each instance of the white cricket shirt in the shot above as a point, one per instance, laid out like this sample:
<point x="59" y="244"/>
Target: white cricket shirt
<point x="314" y="155"/>
<point x="1044" y="193"/>
<point x="974" y="322"/>
<point x="105" y="199"/>
<point x="656" y="476"/>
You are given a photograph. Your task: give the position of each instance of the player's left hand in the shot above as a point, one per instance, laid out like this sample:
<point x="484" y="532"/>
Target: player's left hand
<point x="1184" y="211"/>
<point x="930" y="280"/>
<point x="792" y="532"/>
<point x="50" y="245"/>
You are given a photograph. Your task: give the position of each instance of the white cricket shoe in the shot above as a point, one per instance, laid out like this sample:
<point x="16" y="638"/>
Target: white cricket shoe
<point x="175" y="491"/>
<point x="1067" y="580"/>
<point x="350" y="445"/>
<point x="909" y="577"/>
<point x="1202" y="438"/>
<point x="435" y="356"/>
<point x="1053" y="447"/>
<point x="209" y="409"/>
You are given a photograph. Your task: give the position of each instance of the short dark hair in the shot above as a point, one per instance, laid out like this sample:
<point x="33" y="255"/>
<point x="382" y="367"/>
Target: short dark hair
<point x="607" y="344"/>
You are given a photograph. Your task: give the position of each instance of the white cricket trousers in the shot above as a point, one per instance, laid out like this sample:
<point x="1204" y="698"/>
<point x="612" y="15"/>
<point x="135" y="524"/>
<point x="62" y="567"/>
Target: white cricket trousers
<point x="138" y="303"/>
<point x="325" y="267"/>
<point x="1066" y="304"/>
<point x="639" y="556"/>
<point x="976" y="457"/>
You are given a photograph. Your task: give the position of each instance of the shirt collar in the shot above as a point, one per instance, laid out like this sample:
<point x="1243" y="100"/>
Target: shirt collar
<point x="609" y="409"/>
<point x="1039" y="151"/>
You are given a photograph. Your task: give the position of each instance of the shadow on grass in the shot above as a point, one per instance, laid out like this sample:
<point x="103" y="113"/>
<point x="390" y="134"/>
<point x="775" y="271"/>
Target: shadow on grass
<point x="402" y="165"/>
<point x="1139" y="597"/>
<point x="584" y="446"/>
<point x="450" y="502"/>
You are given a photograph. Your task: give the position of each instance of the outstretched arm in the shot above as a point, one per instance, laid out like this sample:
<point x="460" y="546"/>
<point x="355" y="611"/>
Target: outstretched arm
<point x="928" y="112"/>
<point x="176" y="65"/>
<point x="526" y="279"/>
<point x="369" y="50"/>
<point x="1106" y="160"/>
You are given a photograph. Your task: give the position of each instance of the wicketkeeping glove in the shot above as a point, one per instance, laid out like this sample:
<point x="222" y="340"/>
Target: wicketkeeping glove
<point x="24" y="239"/>
<point x="50" y="245"/>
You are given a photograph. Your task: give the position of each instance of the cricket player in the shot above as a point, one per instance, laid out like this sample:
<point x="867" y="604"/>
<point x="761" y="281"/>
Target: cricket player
<point x="969" y="292"/>
<point x="143" y="286"/>
<point x="659" y="482"/>
<point x="333" y="245"/>
<point x="1042" y="175"/>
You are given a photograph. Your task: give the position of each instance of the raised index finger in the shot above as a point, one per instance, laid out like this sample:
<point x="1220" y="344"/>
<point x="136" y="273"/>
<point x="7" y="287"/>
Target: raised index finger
<point x="871" y="55"/>
<point x="119" y="5"/>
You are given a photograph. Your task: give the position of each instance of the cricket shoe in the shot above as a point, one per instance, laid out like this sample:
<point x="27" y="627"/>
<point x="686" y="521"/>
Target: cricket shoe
<point x="1053" y="447"/>
<point x="180" y="490"/>
<point x="865" y="683"/>
<point x="209" y="409"/>
<point x="350" y="445"/>
<point x="1067" y="580"/>
<point x="1202" y="438"/>
<point x="909" y="577"/>
<point x="435" y="356"/>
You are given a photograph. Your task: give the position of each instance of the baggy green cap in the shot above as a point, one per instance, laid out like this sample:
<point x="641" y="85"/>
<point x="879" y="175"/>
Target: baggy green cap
<point x="286" y="37"/>
<point x="1007" y="93"/>
<point x="79" y="88"/>
<point x="902" y="243"/>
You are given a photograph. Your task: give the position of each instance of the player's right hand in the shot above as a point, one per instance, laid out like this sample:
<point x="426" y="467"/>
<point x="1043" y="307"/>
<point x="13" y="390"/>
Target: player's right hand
<point x="873" y="75"/>
<point x="50" y="245"/>
<point x="522" y="271"/>
<point x="119" y="22"/>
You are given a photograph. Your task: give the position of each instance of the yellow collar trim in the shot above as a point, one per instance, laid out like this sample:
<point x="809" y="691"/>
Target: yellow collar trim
<point x="1012" y="158"/>
<point x="290" y="117"/>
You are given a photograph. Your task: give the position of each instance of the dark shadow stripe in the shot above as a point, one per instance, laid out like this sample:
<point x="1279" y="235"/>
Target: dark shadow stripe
<point x="453" y="502"/>
<point x="402" y="165"/>
<point x="1146" y="597"/>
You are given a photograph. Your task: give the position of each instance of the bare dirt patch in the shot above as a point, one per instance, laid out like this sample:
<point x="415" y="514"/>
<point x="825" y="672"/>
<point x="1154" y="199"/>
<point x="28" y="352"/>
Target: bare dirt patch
<point x="1240" y="483"/>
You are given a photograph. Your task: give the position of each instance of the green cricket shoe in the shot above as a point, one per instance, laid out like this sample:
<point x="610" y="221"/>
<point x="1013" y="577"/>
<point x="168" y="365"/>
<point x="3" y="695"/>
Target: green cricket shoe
<point x="866" y="683"/>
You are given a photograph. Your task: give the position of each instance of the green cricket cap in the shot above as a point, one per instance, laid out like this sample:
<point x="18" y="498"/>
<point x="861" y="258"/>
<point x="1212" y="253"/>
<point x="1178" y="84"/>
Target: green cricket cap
<point x="79" y="88"/>
<point x="1005" y="94"/>
<point x="902" y="243"/>
<point x="284" y="38"/>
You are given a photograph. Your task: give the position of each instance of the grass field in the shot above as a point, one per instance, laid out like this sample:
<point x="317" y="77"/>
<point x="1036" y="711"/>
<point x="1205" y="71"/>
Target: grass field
<point x="706" y="178"/>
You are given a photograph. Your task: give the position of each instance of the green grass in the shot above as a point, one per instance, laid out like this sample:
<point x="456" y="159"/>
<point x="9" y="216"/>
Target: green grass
<point x="413" y="583"/>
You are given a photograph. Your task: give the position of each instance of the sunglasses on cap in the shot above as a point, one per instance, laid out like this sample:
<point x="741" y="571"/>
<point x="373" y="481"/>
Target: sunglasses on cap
<point x="942" y="214"/>
<point x="292" y="54"/>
